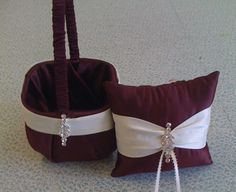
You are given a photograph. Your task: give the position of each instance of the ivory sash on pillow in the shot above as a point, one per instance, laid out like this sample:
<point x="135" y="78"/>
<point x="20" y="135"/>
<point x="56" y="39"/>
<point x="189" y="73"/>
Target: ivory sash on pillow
<point x="139" y="138"/>
<point x="78" y="126"/>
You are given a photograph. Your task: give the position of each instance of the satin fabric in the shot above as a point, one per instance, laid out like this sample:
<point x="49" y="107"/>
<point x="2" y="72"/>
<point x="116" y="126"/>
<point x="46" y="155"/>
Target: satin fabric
<point x="72" y="87"/>
<point x="139" y="138"/>
<point x="87" y="97"/>
<point x="86" y="125"/>
<point x="175" y="103"/>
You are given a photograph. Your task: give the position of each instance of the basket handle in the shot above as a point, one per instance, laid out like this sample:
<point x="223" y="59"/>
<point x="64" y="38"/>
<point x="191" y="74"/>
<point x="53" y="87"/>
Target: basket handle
<point x="72" y="32"/>
<point x="62" y="8"/>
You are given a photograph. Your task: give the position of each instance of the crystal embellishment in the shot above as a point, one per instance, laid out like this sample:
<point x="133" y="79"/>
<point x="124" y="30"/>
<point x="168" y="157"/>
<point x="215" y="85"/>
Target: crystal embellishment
<point x="167" y="143"/>
<point x="64" y="131"/>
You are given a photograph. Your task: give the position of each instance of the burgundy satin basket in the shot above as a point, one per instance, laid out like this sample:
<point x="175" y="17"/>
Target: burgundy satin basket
<point x="67" y="116"/>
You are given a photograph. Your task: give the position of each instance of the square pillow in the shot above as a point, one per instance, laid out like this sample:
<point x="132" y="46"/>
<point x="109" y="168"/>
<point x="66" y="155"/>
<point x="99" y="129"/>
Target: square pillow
<point x="141" y="115"/>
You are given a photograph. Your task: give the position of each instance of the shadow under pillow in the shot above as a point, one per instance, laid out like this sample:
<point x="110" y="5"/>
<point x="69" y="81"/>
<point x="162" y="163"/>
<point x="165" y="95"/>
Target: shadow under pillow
<point x="135" y="107"/>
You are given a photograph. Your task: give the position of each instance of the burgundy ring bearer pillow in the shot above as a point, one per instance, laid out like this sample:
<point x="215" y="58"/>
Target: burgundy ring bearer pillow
<point x="65" y="108"/>
<point x="141" y="115"/>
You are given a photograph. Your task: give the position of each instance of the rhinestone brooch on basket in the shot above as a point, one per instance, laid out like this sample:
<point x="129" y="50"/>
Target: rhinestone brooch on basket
<point x="64" y="131"/>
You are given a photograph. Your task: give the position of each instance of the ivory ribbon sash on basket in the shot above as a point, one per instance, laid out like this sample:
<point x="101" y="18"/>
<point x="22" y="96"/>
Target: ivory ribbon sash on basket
<point x="86" y="125"/>
<point x="140" y="138"/>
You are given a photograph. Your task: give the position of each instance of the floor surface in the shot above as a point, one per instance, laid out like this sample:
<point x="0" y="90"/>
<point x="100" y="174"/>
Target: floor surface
<point x="149" y="42"/>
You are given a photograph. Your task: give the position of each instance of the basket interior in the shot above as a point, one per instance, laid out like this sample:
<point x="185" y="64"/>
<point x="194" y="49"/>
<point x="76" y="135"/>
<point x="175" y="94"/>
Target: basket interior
<point x="85" y="84"/>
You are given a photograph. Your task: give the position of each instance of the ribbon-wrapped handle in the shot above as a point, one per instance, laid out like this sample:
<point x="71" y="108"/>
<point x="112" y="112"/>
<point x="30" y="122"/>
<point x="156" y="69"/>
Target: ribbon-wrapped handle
<point x="60" y="10"/>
